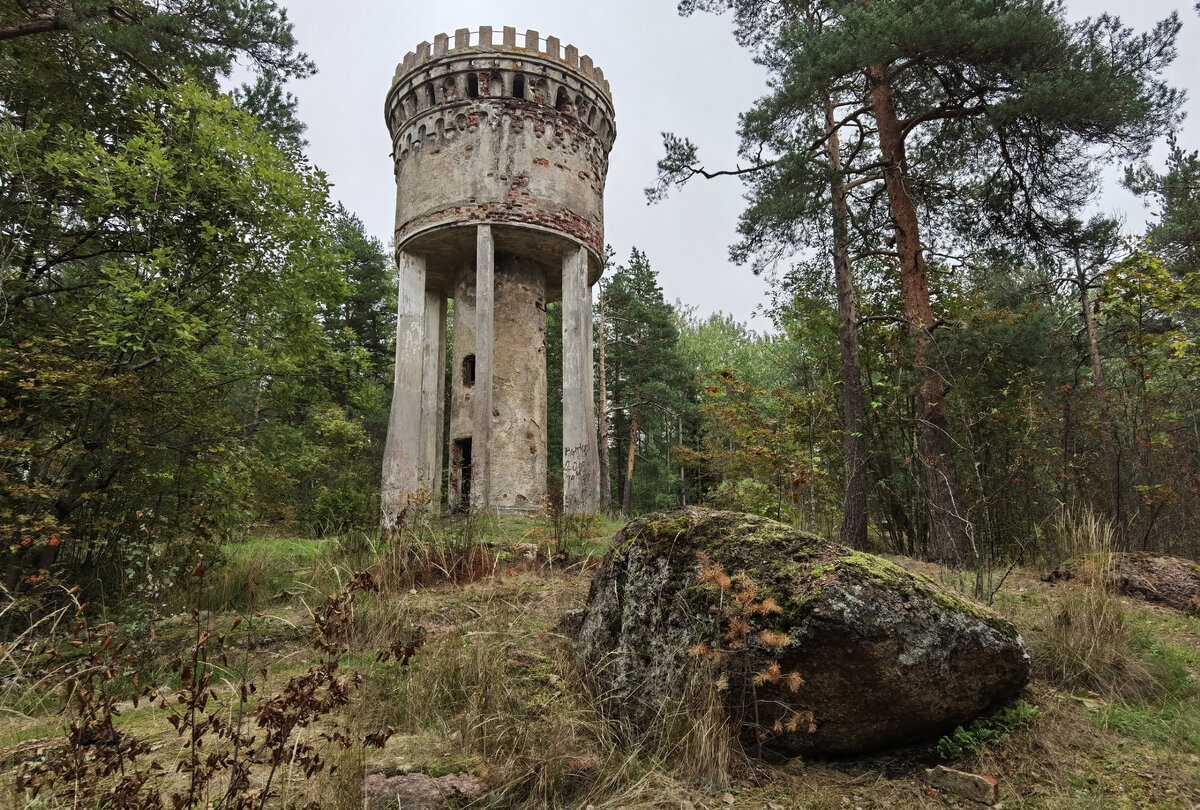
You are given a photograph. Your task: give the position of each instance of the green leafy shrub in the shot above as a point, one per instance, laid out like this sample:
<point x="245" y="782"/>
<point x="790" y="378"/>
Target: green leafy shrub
<point x="963" y="742"/>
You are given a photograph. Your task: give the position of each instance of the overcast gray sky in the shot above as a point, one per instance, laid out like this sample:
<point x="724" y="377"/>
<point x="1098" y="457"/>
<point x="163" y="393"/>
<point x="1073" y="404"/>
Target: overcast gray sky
<point x="685" y="75"/>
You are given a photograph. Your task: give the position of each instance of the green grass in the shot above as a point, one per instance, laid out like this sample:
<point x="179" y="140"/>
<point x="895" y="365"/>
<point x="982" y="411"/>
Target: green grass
<point x="1172" y="717"/>
<point x="273" y="569"/>
<point x="297" y="551"/>
<point x="1173" y="723"/>
<point x="51" y="727"/>
<point x="511" y="530"/>
<point x="1167" y="622"/>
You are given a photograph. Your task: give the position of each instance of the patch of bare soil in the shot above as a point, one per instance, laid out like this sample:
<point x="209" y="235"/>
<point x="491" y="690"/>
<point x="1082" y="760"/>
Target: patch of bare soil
<point x="418" y="791"/>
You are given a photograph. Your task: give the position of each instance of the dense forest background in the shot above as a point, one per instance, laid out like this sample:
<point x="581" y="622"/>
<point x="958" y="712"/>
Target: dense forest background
<point x="196" y="339"/>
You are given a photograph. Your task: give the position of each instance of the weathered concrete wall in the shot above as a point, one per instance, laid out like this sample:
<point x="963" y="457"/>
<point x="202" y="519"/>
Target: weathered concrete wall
<point x="485" y="342"/>
<point x="462" y="403"/>
<point x="532" y="47"/>
<point x="517" y="448"/>
<point x="581" y="461"/>
<point x="501" y="160"/>
<point x="433" y="400"/>
<point x="518" y="444"/>
<point x="501" y="133"/>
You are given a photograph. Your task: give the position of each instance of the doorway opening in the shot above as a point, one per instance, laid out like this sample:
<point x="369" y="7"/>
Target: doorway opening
<point x="461" y="457"/>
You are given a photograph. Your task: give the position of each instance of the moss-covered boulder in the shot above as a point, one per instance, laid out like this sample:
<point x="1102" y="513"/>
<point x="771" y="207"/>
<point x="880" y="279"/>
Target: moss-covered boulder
<point x="809" y="646"/>
<point x="1173" y="581"/>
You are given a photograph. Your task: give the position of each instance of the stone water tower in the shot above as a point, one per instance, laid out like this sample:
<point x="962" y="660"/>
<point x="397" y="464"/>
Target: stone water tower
<point x="500" y="152"/>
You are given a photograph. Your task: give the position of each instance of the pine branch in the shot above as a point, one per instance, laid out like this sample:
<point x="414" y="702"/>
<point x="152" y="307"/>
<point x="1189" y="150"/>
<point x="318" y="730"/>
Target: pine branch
<point x="41" y="26"/>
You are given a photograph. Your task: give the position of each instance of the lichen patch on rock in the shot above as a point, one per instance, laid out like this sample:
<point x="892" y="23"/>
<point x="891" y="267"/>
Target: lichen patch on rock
<point x="874" y="654"/>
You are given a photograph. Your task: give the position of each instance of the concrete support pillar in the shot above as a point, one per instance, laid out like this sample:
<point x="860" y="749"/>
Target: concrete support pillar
<point x="485" y="295"/>
<point x="581" y="460"/>
<point x="402" y="452"/>
<point x="433" y="408"/>
<point x="517" y="450"/>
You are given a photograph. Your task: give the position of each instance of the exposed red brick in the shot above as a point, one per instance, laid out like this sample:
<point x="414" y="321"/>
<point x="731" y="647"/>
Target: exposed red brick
<point x="517" y="211"/>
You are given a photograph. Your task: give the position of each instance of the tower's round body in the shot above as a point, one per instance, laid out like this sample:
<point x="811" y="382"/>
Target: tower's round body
<point x="500" y="153"/>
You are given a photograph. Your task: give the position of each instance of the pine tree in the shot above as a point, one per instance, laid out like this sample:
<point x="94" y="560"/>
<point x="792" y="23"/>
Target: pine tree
<point x="160" y="39"/>
<point x="1176" y="234"/>
<point x="647" y="381"/>
<point x="976" y="112"/>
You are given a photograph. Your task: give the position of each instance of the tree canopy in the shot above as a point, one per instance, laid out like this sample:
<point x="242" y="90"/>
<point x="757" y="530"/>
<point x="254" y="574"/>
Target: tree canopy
<point x="648" y="384"/>
<point x="177" y="290"/>
<point x="948" y="115"/>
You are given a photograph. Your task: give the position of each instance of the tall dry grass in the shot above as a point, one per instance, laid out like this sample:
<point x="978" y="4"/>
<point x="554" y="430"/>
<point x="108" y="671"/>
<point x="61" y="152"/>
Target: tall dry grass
<point x="695" y="737"/>
<point x="429" y="549"/>
<point x="1087" y="643"/>
<point x="503" y="692"/>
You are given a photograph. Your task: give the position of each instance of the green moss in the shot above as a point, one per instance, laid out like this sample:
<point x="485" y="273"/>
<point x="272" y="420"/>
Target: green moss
<point x="878" y="571"/>
<point x="788" y="565"/>
<point x="670" y="527"/>
<point x="722" y="534"/>
<point x="884" y="574"/>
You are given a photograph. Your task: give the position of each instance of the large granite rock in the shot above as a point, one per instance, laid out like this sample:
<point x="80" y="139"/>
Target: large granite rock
<point x="886" y="656"/>
<point x="1173" y="581"/>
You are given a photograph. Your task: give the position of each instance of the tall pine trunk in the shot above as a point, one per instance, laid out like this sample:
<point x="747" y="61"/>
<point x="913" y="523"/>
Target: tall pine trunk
<point x="627" y="492"/>
<point x="949" y="532"/>
<point x="1108" y="436"/>
<point x="854" y="518"/>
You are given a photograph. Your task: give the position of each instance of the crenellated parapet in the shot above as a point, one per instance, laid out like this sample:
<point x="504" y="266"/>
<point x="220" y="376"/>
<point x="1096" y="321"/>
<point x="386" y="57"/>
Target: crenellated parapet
<point x="531" y="44"/>
<point x="514" y="133"/>
<point x="524" y="68"/>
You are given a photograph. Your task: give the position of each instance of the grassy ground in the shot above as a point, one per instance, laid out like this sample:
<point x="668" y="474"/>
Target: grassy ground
<point x="493" y="692"/>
